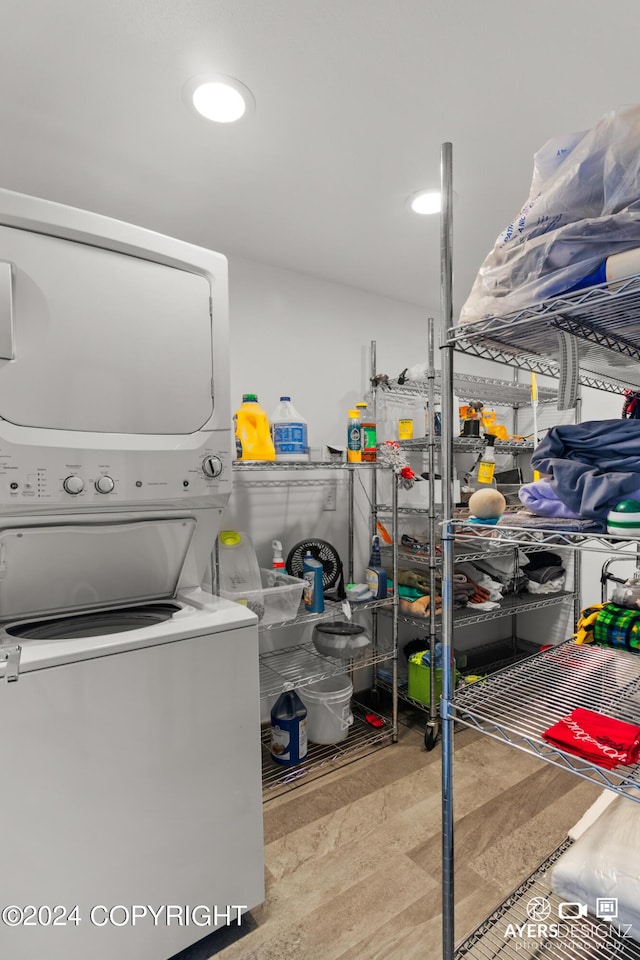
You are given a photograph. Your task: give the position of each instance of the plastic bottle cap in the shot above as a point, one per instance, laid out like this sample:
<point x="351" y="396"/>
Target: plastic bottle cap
<point x="354" y="414"/>
<point x="229" y="537"/>
<point x="361" y="404"/>
<point x="490" y="438"/>
<point x="286" y="398"/>
<point x="249" y="397"/>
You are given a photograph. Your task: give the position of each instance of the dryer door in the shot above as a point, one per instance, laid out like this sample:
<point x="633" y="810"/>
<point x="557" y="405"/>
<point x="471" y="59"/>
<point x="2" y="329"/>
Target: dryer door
<point x="99" y="341"/>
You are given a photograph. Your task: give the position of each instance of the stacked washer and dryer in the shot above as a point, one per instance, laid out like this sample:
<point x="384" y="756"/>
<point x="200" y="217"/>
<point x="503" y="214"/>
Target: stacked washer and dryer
<point x="129" y="704"/>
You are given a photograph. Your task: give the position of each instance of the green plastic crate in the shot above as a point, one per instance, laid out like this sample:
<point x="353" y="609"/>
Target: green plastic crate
<point x="419" y="680"/>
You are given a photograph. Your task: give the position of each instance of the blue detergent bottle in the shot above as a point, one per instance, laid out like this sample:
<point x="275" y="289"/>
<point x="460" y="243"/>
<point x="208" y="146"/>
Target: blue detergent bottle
<point x="288" y="729"/>
<point x="313" y="593"/>
<point x="376" y="575"/>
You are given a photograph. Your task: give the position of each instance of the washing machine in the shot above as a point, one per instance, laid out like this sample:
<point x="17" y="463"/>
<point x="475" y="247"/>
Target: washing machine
<point x="129" y="702"/>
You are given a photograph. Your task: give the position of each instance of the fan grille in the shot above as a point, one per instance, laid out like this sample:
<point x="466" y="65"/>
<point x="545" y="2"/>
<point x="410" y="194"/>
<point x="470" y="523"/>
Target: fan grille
<point x="320" y="550"/>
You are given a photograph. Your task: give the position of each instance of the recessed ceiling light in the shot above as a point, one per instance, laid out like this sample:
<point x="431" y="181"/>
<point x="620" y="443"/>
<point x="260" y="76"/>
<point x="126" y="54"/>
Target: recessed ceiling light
<point x="218" y="98"/>
<point x="427" y="201"/>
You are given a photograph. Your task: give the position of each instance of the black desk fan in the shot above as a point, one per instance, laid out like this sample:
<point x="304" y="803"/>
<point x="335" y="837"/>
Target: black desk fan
<point x="332" y="574"/>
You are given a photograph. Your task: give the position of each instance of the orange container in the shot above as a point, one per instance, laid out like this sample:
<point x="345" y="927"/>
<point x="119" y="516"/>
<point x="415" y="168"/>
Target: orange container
<point x="253" y="433"/>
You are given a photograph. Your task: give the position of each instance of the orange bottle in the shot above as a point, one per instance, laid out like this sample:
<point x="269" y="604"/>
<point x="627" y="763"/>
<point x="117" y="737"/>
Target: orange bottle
<point x="253" y="433"/>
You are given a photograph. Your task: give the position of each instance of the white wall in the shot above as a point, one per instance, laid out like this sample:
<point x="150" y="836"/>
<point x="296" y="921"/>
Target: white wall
<point x="307" y="338"/>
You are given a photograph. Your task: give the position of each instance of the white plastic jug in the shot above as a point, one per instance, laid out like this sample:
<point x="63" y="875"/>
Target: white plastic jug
<point x="328" y="704"/>
<point x="289" y="432"/>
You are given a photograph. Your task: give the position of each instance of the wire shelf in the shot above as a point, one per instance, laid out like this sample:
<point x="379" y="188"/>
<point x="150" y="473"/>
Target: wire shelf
<point x="487" y="390"/>
<point x="467" y="616"/>
<point x="579" y="938"/>
<point x="535" y="536"/>
<point x="332" y="609"/>
<point x="247" y="466"/>
<point x="517" y="704"/>
<point x="293" y="666"/>
<point x="361" y="740"/>
<point x="462" y="444"/>
<point x="604" y="321"/>
<point x="384" y="684"/>
<point x="536" y="365"/>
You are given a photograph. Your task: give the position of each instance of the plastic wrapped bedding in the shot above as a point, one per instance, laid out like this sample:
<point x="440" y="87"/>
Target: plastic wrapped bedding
<point x="583" y="209"/>
<point x="605" y="862"/>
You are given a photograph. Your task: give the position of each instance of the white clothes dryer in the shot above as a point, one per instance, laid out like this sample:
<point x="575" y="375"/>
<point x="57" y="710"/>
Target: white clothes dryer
<point x="131" y="806"/>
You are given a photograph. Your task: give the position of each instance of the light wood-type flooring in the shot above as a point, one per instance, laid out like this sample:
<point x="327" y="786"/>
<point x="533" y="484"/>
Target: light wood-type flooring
<point x="353" y="859"/>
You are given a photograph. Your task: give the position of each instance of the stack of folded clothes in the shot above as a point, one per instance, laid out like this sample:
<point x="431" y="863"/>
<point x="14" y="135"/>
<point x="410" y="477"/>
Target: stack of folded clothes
<point x="600" y="739"/>
<point x="545" y="573"/>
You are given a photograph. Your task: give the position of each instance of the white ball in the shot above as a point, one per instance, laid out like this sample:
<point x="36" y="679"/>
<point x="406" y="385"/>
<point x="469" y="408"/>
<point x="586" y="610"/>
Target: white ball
<point x="487" y="504"/>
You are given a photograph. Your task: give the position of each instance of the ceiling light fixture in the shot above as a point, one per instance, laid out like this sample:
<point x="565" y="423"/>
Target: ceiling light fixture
<point x="427" y="201"/>
<point x="218" y="98"/>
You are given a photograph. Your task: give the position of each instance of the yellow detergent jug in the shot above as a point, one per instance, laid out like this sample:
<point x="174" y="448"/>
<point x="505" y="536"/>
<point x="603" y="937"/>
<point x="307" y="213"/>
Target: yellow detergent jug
<point x="253" y="433"/>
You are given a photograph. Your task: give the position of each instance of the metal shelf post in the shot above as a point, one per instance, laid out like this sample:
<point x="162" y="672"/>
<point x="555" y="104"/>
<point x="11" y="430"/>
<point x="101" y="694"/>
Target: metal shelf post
<point x="446" y="303"/>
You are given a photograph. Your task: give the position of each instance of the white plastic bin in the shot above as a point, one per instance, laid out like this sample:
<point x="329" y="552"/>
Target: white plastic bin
<point x="328" y="704"/>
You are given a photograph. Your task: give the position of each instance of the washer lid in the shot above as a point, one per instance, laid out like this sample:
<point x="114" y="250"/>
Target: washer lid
<point x="62" y="568"/>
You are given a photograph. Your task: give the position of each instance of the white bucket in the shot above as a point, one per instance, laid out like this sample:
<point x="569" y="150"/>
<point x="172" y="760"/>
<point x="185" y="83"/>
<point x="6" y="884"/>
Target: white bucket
<point x="328" y="704"/>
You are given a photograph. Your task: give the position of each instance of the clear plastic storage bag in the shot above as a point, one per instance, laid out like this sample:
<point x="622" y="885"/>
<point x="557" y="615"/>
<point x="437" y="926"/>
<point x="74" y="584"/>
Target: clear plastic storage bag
<point x="583" y="208"/>
<point x="602" y="865"/>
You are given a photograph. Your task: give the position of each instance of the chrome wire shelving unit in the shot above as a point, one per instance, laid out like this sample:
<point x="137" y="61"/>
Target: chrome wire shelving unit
<point x="544" y="538"/>
<point x="599" y="330"/>
<point x="293" y="666"/>
<point x="362" y="740"/>
<point x="603" y="320"/>
<point x="485" y="389"/>
<point x="498" y="392"/>
<point x="471" y="444"/>
<point x="299" y="662"/>
<point x="518" y="704"/>
<point x="509" y="606"/>
<point x="332" y="609"/>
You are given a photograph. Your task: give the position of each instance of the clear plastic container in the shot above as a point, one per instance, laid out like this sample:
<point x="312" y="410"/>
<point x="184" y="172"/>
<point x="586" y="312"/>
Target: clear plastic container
<point x="238" y="570"/>
<point x="289" y="429"/>
<point x="277" y="599"/>
<point x="253" y="432"/>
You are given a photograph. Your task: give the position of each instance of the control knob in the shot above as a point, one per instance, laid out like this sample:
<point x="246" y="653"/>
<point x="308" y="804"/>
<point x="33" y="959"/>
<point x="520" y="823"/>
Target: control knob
<point x="73" y="484"/>
<point x="212" y="466"/>
<point x="104" y="484"/>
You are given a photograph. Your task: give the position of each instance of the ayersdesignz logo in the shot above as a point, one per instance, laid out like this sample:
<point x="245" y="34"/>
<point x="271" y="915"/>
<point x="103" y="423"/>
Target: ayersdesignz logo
<point x="569" y="920"/>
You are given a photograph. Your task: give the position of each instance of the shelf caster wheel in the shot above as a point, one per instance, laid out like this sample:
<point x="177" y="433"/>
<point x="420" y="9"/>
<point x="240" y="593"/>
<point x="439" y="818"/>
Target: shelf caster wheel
<point x="431" y="736"/>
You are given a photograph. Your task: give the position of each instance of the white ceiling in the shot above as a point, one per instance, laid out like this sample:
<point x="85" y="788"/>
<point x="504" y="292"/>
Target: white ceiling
<point x="353" y="100"/>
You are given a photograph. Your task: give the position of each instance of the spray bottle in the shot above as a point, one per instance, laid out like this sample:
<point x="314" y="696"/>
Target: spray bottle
<point x="278" y="561"/>
<point x="354" y="437"/>
<point x="486" y="466"/>
<point x="376" y="575"/>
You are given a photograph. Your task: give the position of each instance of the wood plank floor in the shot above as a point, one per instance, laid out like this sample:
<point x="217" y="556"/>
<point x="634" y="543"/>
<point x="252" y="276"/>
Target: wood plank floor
<point x="353" y="859"/>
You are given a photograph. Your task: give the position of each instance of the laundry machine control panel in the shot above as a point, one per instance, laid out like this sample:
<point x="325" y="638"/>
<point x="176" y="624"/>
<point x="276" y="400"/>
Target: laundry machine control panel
<point x="59" y="478"/>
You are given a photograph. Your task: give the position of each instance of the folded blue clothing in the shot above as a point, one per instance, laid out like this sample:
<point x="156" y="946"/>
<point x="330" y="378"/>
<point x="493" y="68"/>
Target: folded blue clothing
<point x="592" y="466"/>
<point x="559" y="524"/>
